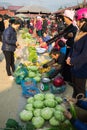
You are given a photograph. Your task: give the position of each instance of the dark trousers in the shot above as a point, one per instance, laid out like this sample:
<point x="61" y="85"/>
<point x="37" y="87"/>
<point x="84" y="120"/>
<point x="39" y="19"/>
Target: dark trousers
<point x="10" y="66"/>
<point x="1" y="36"/>
<point x="79" y="86"/>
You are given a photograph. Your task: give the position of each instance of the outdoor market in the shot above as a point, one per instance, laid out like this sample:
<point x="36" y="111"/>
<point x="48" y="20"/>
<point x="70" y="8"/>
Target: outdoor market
<point x="43" y="69"/>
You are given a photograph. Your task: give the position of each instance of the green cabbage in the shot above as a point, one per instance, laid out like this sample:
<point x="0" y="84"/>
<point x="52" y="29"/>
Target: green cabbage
<point x="38" y="104"/>
<point x="30" y="100"/>
<point x="33" y="68"/>
<point x="38" y="122"/>
<point x="39" y="96"/>
<point x="59" y="100"/>
<point x="53" y="121"/>
<point x="26" y="115"/>
<point x="46" y="113"/>
<point x="29" y="107"/>
<point x="32" y="74"/>
<point x="60" y="108"/>
<point x="37" y="112"/>
<point x="50" y="103"/>
<point x="49" y="96"/>
<point x="37" y="78"/>
<point x="59" y="116"/>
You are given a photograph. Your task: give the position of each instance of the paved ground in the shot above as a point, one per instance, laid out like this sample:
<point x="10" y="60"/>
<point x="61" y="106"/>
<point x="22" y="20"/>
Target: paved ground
<point x="11" y="99"/>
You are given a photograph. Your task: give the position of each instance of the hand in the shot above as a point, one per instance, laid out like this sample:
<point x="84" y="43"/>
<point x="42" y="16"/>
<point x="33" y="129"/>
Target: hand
<point x="70" y="34"/>
<point x="17" y="43"/>
<point x="68" y="61"/>
<point x="18" y="46"/>
<point x="72" y="100"/>
<point x="45" y="66"/>
<point x="68" y="115"/>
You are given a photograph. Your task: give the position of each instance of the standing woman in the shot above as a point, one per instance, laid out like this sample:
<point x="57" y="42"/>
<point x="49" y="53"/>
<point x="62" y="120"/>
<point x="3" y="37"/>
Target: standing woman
<point x="9" y="45"/>
<point x="78" y="58"/>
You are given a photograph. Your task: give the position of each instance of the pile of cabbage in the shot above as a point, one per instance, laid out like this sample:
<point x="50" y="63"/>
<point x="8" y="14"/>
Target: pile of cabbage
<point x="24" y="72"/>
<point x="44" y="109"/>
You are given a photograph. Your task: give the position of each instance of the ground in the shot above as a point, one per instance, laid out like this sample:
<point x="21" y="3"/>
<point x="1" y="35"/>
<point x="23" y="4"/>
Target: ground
<point x="11" y="98"/>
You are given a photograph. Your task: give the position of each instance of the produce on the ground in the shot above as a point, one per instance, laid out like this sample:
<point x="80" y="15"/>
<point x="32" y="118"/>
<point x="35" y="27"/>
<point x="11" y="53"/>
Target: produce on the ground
<point x="32" y="54"/>
<point x="47" y="109"/>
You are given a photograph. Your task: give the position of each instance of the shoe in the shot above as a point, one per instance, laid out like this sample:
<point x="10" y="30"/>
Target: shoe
<point x="11" y="77"/>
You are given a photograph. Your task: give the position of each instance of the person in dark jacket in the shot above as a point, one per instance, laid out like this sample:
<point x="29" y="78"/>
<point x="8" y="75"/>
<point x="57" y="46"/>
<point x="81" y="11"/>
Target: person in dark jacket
<point x="44" y="25"/>
<point x="69" y="34"/>
<point x="9" y="45"/>
<point x="71" y="29"/>
<point x="79" y="125"/>
<point x="56" y="63"/>
<point x="77" y="58"/>
<point x="1" y="26"/>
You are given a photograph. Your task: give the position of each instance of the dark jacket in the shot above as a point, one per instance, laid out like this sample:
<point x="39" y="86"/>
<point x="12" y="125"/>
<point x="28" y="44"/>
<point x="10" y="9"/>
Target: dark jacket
<point x="44" y="26"/>
<point x="2" y="26"/>
<point x="70" y="29"/>
<point x="77" y="123"/>
<point x="79" y="58"/>
<point x="9" y="39"/>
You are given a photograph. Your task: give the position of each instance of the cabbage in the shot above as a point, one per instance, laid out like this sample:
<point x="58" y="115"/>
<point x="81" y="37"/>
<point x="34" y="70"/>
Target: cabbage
<point x="38" y="74"/>
<point x="53" y="121"/>
<point x="30" y="100"/>
<point x="49" y="96"/>
<point x="29" y="107"/>
<point x="39" y="96"/>
<point x="37" y="78"/>
<point x="31" y="74"/>
<point x="33" y="68"/>
<point x="38" y="122"/>
<point x="37" y="112"/>
<point x="60" y="108"/>
<point x="38" y="104"/>
<point x="46" y="113"/>
<point x="26" y="115"/>
<point x="59" y="115"/>
<point x="50" y="103"/>
<point x="59" y="100"/>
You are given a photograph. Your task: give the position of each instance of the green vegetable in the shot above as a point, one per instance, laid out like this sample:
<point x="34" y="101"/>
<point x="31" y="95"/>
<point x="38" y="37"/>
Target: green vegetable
<point x="11" y="123"/>
<point x="72" y="110"/>
<point x="59" y="100"/>
<point x="30" y="100"/>
<point x="32" y="74"/>
<point x="59" y="116"/>
<point x="49" y="96"/>
<point x="53" y="121"/>
<point x="33" y="68"/>
<point x="37" y="78"/>
<point x="50" y="103"/>
<point x="46" y="113"/>
<point x="39" y="96"/>
<point x="32" y="54"/>
<point x="29" y="107"/>
<point x="60" y="108"/>
<point x="38" y="122"/>
<point x="37" y="112"/>
<point x="38" y="104"/>
<point x="26" y="115"/>
<point x="30" y="126"/>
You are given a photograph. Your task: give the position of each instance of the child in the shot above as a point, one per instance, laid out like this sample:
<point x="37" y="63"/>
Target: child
<point x="56" y="63"/>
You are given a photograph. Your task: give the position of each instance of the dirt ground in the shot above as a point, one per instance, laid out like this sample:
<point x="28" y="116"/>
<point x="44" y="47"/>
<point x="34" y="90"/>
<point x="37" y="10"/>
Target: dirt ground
<point x="11" y="98"/>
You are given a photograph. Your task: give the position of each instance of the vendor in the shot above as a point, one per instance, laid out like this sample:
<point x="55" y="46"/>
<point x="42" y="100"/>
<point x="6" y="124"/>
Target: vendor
<point x="76" y="122"/>
<point x="57" y="57"/>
